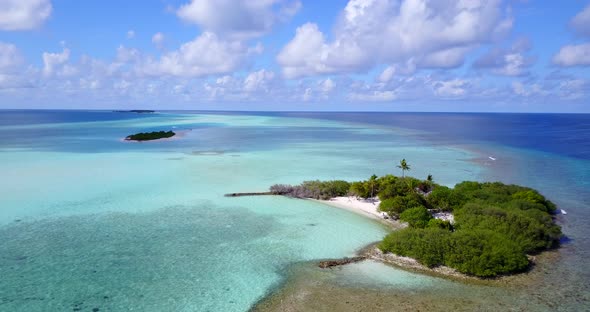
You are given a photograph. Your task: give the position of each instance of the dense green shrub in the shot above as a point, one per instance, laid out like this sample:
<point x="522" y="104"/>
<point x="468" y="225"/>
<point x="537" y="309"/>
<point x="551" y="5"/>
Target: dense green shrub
<point x="445" y="198"/>
<point x="396" y="205"/>
<point x="496" y="225"/>
<point x="441" y="224"/>
<point x="533" y="230"/>
<point x="147" y="136"/>
<point x="417" y="217"/>
<point x="425" y="245"/>
<point x="313" y="189"/>
<point x="392" y="187"/>
<point x="360" y="189"/>
<point x="484" y="253"/>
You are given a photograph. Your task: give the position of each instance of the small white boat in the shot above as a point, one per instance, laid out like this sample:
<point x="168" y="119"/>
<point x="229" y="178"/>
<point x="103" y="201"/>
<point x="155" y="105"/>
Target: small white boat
<point x="492" y="158"/>
<point x="563" y="212"/>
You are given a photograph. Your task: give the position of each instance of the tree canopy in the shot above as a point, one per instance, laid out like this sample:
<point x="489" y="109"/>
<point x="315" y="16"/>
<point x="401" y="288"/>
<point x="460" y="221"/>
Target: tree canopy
<point x="148" y="136"/>
<point x="496" y="226"/>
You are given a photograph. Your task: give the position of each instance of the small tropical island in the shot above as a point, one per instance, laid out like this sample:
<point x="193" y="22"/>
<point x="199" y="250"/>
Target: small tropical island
<point x="137" y="111"/>
<point x="482" y="230"/>
<point x="150" y="136"/>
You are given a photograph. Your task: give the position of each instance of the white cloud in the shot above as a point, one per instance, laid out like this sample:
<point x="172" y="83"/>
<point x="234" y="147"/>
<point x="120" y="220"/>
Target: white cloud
<point x="574" y="89"/>
<point x="573" y="55"/>
<point x="125" y="55"/>
<point x="450" y="88"/>
<point x="242" y="18"/>
<point x="306" y="54"/>
<point x="122" y="85"/>
<point x="371" y="32"/>
<point x="130" y="34"/>
<point x="54" y="62"/>
<point x="258" y="81"/>
<point x="327" y="85"/>
<point x="449" y="58"/>
<point x="508" y="62"/>
<point x="12" y="74"/>
<point x="23" y="14"/>
<point x="386" y="74"/>
<point x="373" y="96"/>
<point x="528" y="90"/>
<point x="158" y="39"/>
<point x="515" y="65"/>
<point x="10" y="57"/>
<point x="205" y="55"/>
<point x="581" y="22"/>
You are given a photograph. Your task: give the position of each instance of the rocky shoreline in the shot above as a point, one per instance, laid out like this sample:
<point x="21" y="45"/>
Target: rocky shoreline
<point x="411" y="264"/>
<point x="326" y="264"/>
<point x="372" y="252"/>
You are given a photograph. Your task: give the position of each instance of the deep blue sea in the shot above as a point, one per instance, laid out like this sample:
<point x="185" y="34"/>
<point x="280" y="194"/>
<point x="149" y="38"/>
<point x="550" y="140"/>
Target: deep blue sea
<point x="88" y="220"/>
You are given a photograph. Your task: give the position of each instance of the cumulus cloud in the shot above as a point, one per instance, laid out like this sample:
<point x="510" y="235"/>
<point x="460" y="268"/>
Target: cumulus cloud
<point x="528" y="90"/>
<point x="373" y="96"/>
<point x="23" y="14"/>
<point x="573" y="55"/>
<point x="581" y="22"/>
<point x="11" y="71"/>
<point x="242" y="18"/>
<point x="449" y="58"/>
<point x="576" y="54"/>
<point x="432" y="33"/>
<point x="258" y="81"/>
<point x="327" y="85"/>
<point x="130" y="34"/>
<point x="508" y="62"/>
<point x="10" y="57"/>
<point x="450" y="88"/>
<point x="205" y="55"/>
<point x="574" y="89"/>
<point x="56" y="63"/>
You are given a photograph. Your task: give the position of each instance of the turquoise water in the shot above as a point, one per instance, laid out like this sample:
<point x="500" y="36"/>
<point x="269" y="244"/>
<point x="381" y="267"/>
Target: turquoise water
<point x="89" y="221"/>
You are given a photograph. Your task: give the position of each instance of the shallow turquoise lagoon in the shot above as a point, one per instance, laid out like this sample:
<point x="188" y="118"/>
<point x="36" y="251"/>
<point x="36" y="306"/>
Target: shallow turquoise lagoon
<point x="90" y="221"/>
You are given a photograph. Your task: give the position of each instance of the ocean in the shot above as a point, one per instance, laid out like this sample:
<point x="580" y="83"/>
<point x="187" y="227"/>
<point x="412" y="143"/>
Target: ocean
<point x="90" y="221"/>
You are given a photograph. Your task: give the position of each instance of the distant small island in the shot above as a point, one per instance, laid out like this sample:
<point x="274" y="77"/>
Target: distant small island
<point x="149" y="136"/>
<point x="138" y="111"/>
<point x="477" y="229"/>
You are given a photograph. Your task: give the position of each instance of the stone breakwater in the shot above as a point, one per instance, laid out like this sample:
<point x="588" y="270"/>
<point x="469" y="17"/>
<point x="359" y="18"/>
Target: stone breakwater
<point x="337" y="262"/>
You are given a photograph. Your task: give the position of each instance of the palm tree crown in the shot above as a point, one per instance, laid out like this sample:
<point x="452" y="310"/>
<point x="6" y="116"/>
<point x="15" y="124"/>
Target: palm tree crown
<point x="403" y="165"/>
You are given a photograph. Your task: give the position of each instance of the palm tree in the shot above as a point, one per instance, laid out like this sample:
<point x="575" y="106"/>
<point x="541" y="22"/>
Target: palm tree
<point x="372" y="182"/>
<point x="403" y="165"/>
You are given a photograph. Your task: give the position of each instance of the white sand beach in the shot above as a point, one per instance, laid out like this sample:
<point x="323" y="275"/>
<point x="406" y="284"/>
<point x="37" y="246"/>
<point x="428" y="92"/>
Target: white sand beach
<point x="369" y="208"/>
<point x="366" y="207"/>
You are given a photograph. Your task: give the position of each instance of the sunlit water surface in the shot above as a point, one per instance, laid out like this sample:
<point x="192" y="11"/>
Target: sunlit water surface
<point x="90" y="221"/>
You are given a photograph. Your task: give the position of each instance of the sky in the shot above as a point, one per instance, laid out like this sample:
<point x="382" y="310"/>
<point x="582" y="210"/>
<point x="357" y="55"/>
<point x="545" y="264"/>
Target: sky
<point x="296" y="55"/>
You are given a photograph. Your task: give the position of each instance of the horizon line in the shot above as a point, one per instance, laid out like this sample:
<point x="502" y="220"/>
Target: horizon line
<point x="284" y="111"/>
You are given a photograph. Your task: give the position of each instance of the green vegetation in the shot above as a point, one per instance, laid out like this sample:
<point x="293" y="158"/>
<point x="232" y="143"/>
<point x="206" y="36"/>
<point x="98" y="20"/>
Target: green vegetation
<point x="495" y="225"/>
<point x="148" y="136"/>
<point x="138" y="111"/>
<point x="403" y="165"/>
<point x="417" y="217"/>
<point x="313" y="189"/>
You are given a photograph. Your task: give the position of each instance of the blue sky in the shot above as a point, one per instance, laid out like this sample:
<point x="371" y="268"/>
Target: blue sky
<point x="361" y="55"/>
